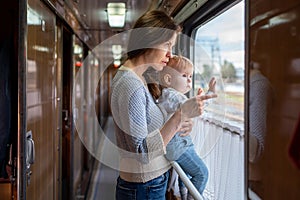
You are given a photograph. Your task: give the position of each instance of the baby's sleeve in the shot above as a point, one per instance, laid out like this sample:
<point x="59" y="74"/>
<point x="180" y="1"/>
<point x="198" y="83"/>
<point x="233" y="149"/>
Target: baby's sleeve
<point x="170" y="100"/>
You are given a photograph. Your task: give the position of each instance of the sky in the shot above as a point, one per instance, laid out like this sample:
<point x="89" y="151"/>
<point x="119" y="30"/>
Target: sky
<point x="228" y="30"/>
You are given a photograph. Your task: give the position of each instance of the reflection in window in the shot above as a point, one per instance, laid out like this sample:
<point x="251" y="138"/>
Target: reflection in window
<point x="219" y="52"/>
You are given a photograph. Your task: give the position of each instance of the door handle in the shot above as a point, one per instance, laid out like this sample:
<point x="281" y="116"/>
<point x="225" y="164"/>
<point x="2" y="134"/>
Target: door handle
<point x="30" y="150"/>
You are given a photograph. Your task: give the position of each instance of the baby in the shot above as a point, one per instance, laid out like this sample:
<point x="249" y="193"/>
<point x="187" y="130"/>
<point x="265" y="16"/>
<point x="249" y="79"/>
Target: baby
<point x="175" y="81"/>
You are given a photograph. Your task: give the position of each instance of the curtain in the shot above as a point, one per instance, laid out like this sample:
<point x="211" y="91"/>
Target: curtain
<point x="221" y="147"/>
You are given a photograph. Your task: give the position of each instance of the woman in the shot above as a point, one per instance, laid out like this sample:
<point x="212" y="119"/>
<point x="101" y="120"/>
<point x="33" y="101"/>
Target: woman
<point x="143" y="132"/>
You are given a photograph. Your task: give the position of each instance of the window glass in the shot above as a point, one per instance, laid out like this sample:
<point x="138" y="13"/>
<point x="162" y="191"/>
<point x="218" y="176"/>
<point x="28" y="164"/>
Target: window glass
<point x="219" y="52"/>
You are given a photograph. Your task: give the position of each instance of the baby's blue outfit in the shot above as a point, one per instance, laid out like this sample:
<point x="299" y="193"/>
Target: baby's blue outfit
<point x="170" y="101"/>
<point x="181" y="148"/>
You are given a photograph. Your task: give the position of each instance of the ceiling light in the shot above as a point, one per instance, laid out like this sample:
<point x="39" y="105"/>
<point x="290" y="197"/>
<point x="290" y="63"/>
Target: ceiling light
<point x="116" y="14"/>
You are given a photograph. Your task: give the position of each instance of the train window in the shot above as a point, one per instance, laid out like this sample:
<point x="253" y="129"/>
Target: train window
<point x="219" y="52"/>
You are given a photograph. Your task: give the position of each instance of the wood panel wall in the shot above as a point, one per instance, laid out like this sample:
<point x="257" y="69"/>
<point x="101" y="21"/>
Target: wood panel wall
<point x="42" y="101"/>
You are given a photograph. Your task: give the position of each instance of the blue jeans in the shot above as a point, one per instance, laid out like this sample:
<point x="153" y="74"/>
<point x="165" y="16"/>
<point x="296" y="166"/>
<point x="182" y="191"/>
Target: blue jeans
<point x="195" y="168"/>
<point x="152" y="190"/>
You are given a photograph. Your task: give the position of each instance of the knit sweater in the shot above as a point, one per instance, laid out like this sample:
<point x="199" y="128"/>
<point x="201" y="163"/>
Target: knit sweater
<point x="260" y="100"/>
<point x="138" y="136"/>
<point x="260" y="96"/>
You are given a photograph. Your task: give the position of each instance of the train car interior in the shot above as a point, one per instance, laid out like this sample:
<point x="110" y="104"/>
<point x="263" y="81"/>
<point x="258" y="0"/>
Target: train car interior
<point x="57" y="62"/>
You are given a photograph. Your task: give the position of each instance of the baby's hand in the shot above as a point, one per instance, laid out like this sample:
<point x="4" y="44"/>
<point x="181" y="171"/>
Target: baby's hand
<point x="212" y="85"/>
<point x="199" y="92"/>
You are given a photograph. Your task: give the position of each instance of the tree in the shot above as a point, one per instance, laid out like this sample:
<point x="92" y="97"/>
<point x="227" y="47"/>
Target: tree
<point x="207" y="71"/>
<point x="228" y="71"/>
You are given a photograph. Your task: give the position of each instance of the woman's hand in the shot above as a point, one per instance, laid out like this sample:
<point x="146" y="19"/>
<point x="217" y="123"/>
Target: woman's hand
<point x="186" y="127"/>
<point x="194" y="106"/>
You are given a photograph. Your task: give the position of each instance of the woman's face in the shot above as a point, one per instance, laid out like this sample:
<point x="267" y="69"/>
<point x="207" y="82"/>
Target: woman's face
<point x="159" y="56"/>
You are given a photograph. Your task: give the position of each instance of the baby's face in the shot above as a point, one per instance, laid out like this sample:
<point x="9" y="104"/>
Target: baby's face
<point x="182" y="80"/>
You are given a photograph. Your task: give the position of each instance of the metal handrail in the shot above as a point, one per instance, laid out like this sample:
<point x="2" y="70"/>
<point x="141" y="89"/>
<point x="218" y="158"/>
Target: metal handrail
<point x="190" y="186"/>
